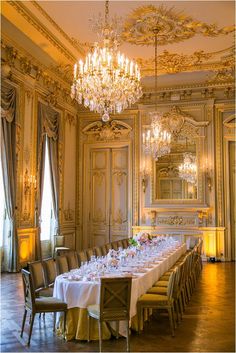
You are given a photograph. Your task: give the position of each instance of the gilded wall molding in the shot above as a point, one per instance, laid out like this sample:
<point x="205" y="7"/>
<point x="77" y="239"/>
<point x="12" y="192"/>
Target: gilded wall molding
<point x="114" y="130"/>
<point x="173" y="26"/>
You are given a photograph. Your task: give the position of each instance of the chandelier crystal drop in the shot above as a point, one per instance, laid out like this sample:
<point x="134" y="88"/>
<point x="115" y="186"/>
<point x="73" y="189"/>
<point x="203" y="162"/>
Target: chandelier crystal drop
<point x="156" y="141"/>
<point x="188" y="169"/>
<point x="107" y="82"/>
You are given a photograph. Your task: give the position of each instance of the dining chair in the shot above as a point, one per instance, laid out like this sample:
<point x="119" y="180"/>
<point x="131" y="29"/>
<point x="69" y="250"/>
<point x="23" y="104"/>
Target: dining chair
<point x="108" y="247"/>
<point x="72" y="258"/>
<point x="35" y="305"/>
<point x="125" y="243"/>
<point x="114" y="305"/>
<point x="38" y="279"/>
<point x="98" y="251"/>
<point x="157" y="301"/>
<point x="50" y="273"/>
<point x="82" y="256"/>
<point x="104" y="250"/>
<point x="120" y="244"/>
<point x="114" y="245"/>
<point x="90" y="253"/>
<point x="61" y="265"/>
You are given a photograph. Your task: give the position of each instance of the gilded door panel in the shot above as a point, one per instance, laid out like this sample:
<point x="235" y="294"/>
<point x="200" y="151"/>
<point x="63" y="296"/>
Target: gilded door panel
<point x="99" y="197"/>
<point x="119" y="194"/>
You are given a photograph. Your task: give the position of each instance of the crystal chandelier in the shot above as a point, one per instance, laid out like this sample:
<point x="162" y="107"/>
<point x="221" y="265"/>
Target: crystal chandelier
<point x="107" y="82"/>
<point x="188" y="169"/>
<point x="156" y="141"/>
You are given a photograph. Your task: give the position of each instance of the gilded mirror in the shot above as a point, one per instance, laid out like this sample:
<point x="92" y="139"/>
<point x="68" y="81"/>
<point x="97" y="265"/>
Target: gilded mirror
<point x="169" y="181"/>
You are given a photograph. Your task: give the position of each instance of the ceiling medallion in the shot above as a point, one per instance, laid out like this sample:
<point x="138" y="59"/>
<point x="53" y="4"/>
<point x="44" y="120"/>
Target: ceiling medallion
<point x="173" y="26"/>
<point x="107" y="82"/>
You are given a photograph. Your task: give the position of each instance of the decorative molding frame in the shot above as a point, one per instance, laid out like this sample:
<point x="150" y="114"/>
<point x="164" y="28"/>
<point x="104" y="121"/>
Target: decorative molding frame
<point x="111" y="131"/>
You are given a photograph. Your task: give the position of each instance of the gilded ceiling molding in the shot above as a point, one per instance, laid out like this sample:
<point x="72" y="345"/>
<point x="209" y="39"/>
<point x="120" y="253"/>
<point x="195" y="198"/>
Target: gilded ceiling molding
<point x="114" y="130"/>
<point x="173" y="26"/>
<point x="32" y="19"/>
<point x="171" y="63"/>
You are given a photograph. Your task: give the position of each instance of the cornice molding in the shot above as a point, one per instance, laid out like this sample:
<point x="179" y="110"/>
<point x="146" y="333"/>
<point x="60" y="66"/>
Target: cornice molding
<point x="33" y="20"/>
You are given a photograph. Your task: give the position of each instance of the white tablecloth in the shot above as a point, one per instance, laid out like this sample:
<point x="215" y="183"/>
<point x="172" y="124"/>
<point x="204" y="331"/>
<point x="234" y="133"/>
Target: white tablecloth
<point x="81" y="293"/>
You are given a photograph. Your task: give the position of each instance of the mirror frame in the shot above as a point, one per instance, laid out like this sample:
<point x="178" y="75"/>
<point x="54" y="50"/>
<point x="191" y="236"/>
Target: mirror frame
<point x="178" y="122"/>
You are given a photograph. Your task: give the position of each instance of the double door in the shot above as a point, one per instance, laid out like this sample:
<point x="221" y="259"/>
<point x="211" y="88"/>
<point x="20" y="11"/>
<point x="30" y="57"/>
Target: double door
<point x="107" y="195"/>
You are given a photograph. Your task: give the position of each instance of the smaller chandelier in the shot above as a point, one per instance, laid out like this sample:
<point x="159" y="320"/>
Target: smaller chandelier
<point x="107" y="82"/>
<point x="156" y="141"/>
<point x="188" y="169"/>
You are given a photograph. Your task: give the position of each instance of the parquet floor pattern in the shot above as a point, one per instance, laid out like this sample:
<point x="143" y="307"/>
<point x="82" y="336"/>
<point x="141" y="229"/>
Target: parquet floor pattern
<point x="208" y="324"/>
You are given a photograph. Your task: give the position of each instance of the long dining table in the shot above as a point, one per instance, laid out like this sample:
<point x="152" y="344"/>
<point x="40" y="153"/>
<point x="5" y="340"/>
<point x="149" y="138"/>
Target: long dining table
<point x="79" y="293"/>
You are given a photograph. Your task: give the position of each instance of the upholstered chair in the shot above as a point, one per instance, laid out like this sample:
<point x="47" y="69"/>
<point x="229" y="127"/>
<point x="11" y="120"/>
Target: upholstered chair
<point x="61" y="264"/>
<point x="114" y="305"/>
<point x="82" y="256"/>
<point x="35" y="305"/>
<point x="50" y="273"/>
<point x="38" y="280"/>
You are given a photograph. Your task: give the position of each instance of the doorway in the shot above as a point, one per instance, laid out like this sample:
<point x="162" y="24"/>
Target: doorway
<point x="107" y="195"/>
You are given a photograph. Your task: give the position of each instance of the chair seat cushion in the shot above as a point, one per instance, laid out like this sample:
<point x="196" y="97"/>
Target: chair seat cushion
<point x="161" y="283"/>
<point x="45" y="292"/>
<point x="94" y="310"/>
<point x="50" y="303"/>
<point x="153" y="299"/>
<point x="158" y="290"/>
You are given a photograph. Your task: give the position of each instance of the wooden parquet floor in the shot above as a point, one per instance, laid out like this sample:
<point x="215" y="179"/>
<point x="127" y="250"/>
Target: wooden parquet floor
<point x="208" y="324"/>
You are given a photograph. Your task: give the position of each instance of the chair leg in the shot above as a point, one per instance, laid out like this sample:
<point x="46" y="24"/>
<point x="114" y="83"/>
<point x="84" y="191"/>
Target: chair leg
<point x="100" y="335"/>
<point x="31" y="327"/>
<point x="88" y="328"/>
<point x="117" y="329"/>
<point x="128" y="343"/>
<point x="54" y="322"/>
<point x="23" y="323"/>
<point x="171" y="321"/>
<point x="64" y="334"/>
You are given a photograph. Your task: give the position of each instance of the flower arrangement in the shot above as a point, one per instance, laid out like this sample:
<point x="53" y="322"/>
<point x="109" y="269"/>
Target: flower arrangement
<point x="142" y="238"/>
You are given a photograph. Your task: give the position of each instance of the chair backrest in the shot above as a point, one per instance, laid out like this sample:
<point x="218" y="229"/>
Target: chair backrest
<point x="82" y="255"/>
<point x="115" y="298"/>
<point x="114" y="245"/>
<point x="72" y="259"/>
<point x="171" y="283"/>
<point x="50" y="272"/>
<point x="90" y="252"/>
<point x="29" y="294"/>
<point x="104" y="250"/>
<point x="61" y="264"/>
<point x="125" y="243"/>
<point x="108" y="246"/>
<point x="37" y="274"/>
<point x="120" y="244"/>
<point x="98" y="251"/>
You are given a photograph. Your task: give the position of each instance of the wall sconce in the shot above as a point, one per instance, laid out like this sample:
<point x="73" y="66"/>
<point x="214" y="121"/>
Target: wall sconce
<point x="29" y="182"/>
<point x="209" y="178"/>
<point x="144" y="178"/>
<point x="153" y="215"/>
<point x="208" y="173"/>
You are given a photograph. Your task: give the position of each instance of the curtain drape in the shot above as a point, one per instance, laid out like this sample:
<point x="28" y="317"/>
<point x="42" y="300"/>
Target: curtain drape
<point x="8" y="152"/>
<point x="48" y="128"/>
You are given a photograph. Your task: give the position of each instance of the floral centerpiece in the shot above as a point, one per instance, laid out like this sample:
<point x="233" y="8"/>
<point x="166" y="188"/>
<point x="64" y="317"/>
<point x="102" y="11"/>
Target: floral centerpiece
<point x="112" y="258"/>
<point x="140" y="239"/>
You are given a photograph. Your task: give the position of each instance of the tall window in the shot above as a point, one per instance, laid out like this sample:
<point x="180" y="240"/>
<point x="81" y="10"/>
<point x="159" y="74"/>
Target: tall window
<point x="47" y="216"/>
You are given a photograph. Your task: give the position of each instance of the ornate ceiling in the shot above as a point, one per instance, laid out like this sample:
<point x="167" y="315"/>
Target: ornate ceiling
<point x="194" y="36"/>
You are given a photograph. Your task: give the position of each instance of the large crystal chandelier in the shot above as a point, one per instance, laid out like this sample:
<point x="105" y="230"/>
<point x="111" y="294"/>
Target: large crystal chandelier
<point x="107" y="82"/>
<point x="156" y="141"/>
<point x="188" y="169"/>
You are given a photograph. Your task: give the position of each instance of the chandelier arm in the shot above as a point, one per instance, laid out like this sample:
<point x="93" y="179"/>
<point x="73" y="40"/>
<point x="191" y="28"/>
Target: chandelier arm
<point x="106" y="13"/>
